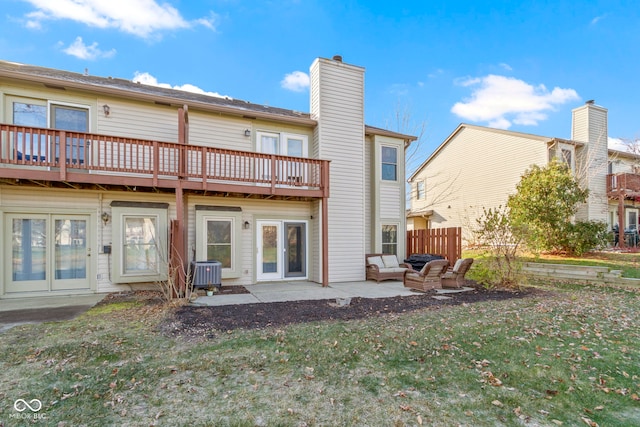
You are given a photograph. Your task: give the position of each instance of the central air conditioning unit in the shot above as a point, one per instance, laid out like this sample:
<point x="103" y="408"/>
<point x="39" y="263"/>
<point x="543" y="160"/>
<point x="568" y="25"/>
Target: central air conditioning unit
<point x="206" y="273"/>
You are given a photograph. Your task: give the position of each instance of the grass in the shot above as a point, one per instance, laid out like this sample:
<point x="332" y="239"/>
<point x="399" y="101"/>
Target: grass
<point x="629" y="263"/>
<point x="567" y="358"/>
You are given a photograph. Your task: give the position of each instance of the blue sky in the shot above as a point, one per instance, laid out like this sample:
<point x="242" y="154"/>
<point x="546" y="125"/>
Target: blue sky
<point x="514" y="65"/>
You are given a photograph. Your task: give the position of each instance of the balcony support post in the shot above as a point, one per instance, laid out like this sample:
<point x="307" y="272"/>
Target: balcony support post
<point x="621" y="241"/>
<point x="178" y="259"/>
<point x="325" y="242"/>
<point x="62" y="155"/>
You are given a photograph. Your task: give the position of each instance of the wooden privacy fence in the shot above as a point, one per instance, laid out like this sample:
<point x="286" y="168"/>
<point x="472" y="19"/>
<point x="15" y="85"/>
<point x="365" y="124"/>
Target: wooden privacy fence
<point x="436" y="241"/>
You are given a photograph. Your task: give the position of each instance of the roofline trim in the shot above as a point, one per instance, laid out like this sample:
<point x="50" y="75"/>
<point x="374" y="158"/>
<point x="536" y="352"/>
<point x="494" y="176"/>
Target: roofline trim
<point x="155" y="97"/>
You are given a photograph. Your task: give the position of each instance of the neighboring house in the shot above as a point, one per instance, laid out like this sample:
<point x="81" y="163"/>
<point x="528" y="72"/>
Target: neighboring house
<point x="478" y="167"/>
<point x="105" y="183"/>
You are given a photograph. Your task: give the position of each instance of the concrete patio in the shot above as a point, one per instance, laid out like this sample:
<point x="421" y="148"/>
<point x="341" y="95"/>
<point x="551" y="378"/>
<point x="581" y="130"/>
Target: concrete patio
<point x="296" y="291"/>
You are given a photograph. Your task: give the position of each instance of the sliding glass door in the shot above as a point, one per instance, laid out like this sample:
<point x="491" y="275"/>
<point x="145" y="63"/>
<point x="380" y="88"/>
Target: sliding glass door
<point x="46" y="252"/>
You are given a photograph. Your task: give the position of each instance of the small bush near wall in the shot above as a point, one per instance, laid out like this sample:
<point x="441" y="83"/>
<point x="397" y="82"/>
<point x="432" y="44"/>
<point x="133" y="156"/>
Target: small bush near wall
<point x="499" y="267"/>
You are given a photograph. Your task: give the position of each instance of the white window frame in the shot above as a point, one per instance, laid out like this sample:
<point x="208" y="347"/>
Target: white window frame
<point x="382" y="162"/>
<point x="424" y="190"/>
<point x="202" y="217"/>
<point x="281" y="147"/>
<point x="382" y="242"/>
<point x="119" y="214"/>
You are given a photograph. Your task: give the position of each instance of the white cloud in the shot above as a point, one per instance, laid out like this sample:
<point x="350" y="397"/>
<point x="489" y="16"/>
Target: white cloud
<point x="597" y="19"/>
<point x="142" y="18"/>
<point x="148" y="79"/>
<point x="505" y="66"/>
<point x="501" y="101"/>
<point x="297" y="81"/>
<point x="82" y="51"/>
<point x="616" y="144"/>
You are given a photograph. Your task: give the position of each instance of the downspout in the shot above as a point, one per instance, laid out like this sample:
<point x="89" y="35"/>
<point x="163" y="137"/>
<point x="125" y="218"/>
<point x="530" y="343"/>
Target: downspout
<point x="179" y="240"/>
<point x="621" y="241"/>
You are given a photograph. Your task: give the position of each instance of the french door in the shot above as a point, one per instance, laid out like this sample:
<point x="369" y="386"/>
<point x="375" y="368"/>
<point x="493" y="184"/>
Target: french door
<point x="282" y="250"/>
<point x="47" y="252"/>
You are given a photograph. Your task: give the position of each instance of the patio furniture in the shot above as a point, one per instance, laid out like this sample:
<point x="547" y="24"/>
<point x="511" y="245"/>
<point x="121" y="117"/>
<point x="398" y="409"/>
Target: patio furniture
<point x="384" y="267"/>
<point x="418" y="261"/>
<point x="428" y="278"/>
<point x="454" y="277"/>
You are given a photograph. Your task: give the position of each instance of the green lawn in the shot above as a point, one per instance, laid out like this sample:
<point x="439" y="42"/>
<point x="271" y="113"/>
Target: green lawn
<point x="566" y="358"/>
<point x="629" y="263"/>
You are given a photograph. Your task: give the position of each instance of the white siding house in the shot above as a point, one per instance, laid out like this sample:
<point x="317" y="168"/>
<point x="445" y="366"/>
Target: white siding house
<point x="477" y="168"/>
<point x="106" y="184"/>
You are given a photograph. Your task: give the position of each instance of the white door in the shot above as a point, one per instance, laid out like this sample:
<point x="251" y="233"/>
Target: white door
<point x="269" y="250"/>
<point x="282" y="250"/>
<point x="47" y="252"/>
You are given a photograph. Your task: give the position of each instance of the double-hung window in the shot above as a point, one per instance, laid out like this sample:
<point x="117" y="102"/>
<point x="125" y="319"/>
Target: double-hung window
<point x="389" y="163"/>
<point x="420" y="192"/>
<point x="390" y="239"/>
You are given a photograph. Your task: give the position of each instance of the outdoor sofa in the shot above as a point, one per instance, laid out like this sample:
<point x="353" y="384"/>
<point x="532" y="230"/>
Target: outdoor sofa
<point x="384" y="267"/>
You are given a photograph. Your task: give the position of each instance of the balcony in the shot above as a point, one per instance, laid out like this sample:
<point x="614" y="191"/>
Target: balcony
<point x="625" y="184"/>
<point x="48" y="155"/>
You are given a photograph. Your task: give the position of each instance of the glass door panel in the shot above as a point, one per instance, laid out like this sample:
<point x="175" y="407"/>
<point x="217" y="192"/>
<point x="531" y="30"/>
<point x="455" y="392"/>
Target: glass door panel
<point x="71" y="253"/>
<point x="28" y="253"/>
<point x="295" y="250"/>
<point x="269" y="251"/>
<point x="47" y="252"/>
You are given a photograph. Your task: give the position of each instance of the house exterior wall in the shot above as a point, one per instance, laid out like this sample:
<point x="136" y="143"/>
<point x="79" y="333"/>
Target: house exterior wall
<point x="589" y="125"/>
<point x="477" y="168"/>
<point x="337" y="97"/>
<point x="360" y="201"/>
<point x="251" y="210"/>
<point x="388" y="196"/>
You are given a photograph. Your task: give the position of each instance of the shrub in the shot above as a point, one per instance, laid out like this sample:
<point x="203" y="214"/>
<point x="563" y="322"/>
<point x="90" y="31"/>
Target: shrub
<point x="497" y="233"/>
<point x="585" y="236"/>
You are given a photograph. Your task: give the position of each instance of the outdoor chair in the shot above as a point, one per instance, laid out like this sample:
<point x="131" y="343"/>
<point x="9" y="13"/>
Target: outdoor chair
<point x="454" y="277"/>
<point x="428" y="278"/>
<point x="384" y="267"/>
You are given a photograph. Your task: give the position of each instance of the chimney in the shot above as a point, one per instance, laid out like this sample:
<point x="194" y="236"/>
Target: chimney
<point x="589" y="126"/>
<point x="337" y="103"/>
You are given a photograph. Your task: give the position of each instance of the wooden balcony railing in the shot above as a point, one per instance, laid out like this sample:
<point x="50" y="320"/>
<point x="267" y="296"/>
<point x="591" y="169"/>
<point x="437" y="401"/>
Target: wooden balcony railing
<point x="628" y="183"/>
<point x="55" y="155"/>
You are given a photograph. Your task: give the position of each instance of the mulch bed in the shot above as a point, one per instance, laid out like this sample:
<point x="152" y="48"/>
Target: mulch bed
<point x="192" y="322"/>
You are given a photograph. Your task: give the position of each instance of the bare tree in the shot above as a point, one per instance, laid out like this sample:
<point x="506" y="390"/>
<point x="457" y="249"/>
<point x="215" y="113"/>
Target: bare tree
<point x="440" y="188"/>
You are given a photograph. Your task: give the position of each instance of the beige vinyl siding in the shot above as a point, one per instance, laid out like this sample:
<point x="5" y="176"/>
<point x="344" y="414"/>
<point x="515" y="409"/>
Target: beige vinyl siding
<point x="369" y="198"/>
<point x="338" y="107"/>
<point x="315" y="242"/>
<point x="28" y="200"/>
<point x="463" y="175"/>
<point x="253" y="210"/>
<point x="389" y="196"/>
<point x="39" y="92"/>
<point x="389" y="201"/>
<point x="104" y="273"/>
<point x="220" y="132"/>
<point x="589" y="125"/>
<point x="138" y="120"/>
